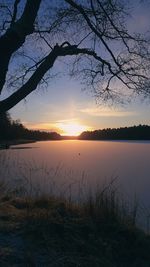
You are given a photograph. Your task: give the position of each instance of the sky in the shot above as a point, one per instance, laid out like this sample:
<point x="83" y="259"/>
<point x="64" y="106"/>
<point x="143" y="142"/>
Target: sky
<point x="64" y="107"/>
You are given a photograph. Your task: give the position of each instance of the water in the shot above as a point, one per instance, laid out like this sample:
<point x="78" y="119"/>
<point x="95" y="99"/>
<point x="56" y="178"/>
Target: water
<point x="63" y="163"/>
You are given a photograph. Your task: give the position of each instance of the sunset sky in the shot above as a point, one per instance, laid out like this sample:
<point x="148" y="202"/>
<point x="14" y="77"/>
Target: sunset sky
<point x="64" y="104"/>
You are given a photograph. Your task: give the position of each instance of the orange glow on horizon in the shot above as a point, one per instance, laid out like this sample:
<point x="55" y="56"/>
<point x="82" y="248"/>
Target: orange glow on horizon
<point x="72" y="129"/>
<point x="68" y="128"/>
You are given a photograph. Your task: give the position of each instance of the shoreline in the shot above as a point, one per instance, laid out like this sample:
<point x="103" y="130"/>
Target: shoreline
<point x="6" y="144"/>
<point x="78" y="235"/>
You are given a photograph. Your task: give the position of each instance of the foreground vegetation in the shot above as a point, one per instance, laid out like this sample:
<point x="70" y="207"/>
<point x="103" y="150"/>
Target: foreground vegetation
<point x="51" y="231"/>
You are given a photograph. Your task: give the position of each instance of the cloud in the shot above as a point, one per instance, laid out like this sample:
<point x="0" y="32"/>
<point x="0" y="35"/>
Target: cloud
<point x="71" y="120"/>
<point x="106" y="112"/>
<point x="51" y="127"/>
<point x="66" y="126"/>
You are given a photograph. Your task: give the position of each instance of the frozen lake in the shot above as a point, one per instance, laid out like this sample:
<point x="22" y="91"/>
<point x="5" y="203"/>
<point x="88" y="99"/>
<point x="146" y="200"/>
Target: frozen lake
<point x="58" y="165"/>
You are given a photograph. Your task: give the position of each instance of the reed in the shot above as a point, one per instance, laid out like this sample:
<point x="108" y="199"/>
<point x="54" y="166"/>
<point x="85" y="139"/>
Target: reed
<point x="54" y="228"/>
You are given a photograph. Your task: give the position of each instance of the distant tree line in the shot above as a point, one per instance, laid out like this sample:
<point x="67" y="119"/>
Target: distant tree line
<point x="140" y="132"/>
<point x="13" y="130"/>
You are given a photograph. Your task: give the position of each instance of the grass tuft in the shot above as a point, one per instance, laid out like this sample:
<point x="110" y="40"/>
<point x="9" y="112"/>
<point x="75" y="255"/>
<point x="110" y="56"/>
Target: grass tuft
<point x="96" y="230"/>
<point x="52" y="231"/>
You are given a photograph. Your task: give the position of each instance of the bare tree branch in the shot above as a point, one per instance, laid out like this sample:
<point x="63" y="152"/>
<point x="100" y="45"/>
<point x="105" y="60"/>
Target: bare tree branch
<point x="14" y="16"/>
<point x="32" y="44"/>
<point x="34" y="80"/>
<point x="15" y="36"/>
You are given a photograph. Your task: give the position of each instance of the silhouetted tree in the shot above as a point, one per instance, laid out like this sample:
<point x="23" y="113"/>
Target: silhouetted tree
<point x="5" y="125"/>
<point x="35" y="34"/>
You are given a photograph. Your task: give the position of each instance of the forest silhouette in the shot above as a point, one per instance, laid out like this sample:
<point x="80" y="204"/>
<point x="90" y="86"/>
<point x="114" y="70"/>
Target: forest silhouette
<point x="140" y="132"/>
<point x="14" y="130"/>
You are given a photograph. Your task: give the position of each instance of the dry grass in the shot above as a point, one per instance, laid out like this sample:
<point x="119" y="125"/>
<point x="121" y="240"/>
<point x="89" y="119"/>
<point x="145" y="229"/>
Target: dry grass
<point x="95" y="230"/>
<point x="51" y="231"/>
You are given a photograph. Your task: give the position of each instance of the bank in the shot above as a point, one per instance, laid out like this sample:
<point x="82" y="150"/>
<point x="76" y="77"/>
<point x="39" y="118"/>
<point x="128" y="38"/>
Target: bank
<point x="49" y="231"/>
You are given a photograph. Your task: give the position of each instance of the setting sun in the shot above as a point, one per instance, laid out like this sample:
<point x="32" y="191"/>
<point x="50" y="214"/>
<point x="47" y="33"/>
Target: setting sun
<point x="72" y="129"/>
